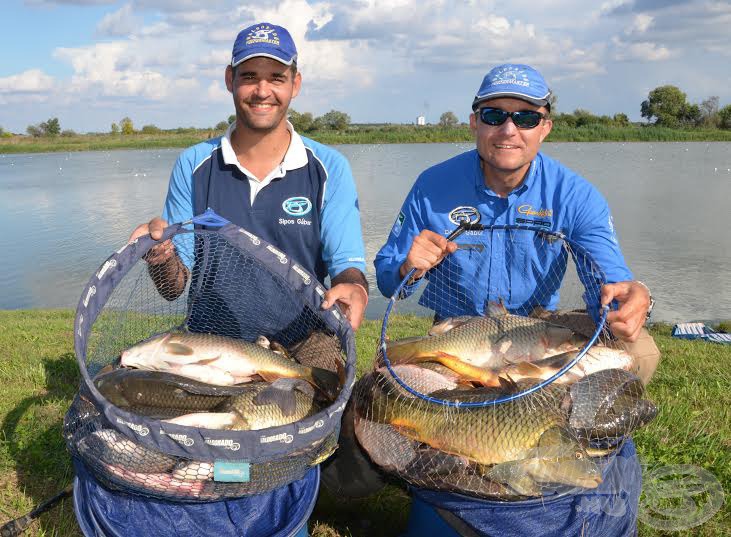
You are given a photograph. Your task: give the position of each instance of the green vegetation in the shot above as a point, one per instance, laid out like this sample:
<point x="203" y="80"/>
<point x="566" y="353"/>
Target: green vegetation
<point x="39" y="377"/>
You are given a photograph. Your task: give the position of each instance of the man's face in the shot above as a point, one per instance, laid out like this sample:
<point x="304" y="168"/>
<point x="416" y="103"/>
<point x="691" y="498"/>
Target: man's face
<point x="262" y="89"/>
<point x="506" y="148"/>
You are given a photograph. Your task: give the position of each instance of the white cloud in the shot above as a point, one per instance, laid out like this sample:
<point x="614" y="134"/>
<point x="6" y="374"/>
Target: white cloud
<point x="643" y="51"/>
<point x="119" y="23"/>
<point x="217" y="93"/>
<point x="27" y="82"/>
<point x="640" y="24"/>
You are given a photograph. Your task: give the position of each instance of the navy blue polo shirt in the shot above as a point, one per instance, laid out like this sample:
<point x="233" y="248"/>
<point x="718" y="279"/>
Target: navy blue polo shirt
<point x="307" y="206"/>
<point x="551" y="197"/>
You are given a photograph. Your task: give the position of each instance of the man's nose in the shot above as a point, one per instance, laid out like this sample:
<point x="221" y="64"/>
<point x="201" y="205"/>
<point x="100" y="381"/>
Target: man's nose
<point x="508" y="127"/>
<point x="262" y="88"/>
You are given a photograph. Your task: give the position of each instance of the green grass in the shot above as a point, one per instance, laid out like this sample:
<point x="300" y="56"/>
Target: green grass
<point x="358" y="134"/>
<point x="39" y="377"/>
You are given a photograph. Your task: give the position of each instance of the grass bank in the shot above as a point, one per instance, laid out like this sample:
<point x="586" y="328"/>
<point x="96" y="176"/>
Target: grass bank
<point x="39" y="377"/>
<point x="363" y="134"/>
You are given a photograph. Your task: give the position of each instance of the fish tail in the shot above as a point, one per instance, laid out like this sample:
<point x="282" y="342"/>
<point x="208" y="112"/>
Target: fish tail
<point x="326" y="381"/>
<point x="486" y="377"/>
<point x="402" y="352"/>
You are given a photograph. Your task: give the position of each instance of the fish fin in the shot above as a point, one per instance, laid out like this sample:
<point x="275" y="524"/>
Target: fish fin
<point x="279" y="394"/>
<point x="280" y="349"/>
<point x="508" y="384"/>
<point x="178" y="348"/>
<point x="496" y="309"/>
<point x="405" y="428"/>
<point x="326" y="381"/>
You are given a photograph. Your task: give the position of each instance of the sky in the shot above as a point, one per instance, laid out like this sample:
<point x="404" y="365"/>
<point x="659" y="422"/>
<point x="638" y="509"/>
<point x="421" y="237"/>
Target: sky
<point x="161" y="62"/>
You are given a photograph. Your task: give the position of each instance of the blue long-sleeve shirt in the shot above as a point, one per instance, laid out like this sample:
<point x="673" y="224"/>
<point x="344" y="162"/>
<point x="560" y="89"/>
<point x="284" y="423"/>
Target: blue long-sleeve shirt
<point x="551" y="197"/>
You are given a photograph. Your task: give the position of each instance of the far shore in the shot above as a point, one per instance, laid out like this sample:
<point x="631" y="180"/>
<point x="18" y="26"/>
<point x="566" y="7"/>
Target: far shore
<point x="355" y="134"/>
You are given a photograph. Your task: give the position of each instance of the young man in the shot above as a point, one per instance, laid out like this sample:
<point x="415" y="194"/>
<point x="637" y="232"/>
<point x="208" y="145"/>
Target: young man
<point x="256" y="176"/>
<point x="499" y="182"/>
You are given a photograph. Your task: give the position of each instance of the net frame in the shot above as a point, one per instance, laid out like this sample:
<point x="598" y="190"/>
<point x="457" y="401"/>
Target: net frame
<point x="314" y="434"/>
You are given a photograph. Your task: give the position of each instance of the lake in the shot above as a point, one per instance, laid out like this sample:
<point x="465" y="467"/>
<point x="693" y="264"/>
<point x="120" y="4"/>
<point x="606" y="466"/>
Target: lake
<point x="63" y="214"/>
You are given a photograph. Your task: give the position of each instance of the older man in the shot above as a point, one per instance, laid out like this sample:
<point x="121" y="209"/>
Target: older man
<point x="506" y="180"/>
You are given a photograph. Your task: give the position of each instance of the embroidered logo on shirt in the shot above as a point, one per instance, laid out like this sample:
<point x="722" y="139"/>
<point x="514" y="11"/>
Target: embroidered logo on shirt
<point x="297" y="206"/>
<point x="397" y="224"/>
<point x="464" y="214"/>
<point x="530" y="211"/>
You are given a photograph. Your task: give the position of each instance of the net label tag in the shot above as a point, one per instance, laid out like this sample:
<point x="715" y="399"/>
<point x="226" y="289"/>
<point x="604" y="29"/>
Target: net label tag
<point x="231" y="472"/>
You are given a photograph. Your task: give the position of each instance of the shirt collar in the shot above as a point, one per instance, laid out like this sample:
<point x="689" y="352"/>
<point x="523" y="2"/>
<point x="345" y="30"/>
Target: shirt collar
<point x="294" y="158"/>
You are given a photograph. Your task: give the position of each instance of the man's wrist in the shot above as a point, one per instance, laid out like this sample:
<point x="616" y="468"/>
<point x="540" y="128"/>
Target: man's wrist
<point x="649" y="293"/>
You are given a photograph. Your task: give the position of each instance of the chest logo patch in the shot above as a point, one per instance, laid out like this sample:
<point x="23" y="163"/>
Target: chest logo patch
<point x="297" y="206"/>
<point x="466" y="214"/>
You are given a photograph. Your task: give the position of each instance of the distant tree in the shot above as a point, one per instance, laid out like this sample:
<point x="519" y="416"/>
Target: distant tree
<point x="709" y="112"/>
<point x="724" y="117"/>
<point x="221" y="126"/>
<point x="34" y="131"/>
<point x="2" y="131"/>
<point x="448" y="119"/>
<point x="691" y="115"/>
<point x="127" y="126"/>
<point x="620" y="119"/>
<point x="668" y="105"/>
<point x="231" y="119"/>
<point x="584" y="117"/>
<point x="52" y="127"/>
<point x="301" y="122"/>
<point x="67" y="133"/>
<point x="336" y="120"/>
<point x="115" y="128"/>
<point x="150" y="129"/>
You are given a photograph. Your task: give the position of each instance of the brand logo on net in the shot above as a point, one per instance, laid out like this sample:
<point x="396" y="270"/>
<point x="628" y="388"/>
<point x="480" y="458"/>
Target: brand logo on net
<point x="224" y="443"/>
<point x="464" y="214"/>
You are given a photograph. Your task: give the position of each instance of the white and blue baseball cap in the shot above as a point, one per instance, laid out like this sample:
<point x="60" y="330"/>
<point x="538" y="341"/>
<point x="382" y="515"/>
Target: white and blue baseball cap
<point x="264" y="39"/>
<point x="514" y="80"/>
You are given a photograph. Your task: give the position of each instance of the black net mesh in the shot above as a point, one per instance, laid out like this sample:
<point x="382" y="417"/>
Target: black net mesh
<point x="197" y="337"/>
<point x="495" y="376"/>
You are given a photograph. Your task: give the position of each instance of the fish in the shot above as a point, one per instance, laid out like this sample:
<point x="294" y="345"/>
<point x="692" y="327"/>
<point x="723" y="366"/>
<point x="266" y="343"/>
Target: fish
<point x="421" y="379"/>
<point x="486" y="343"/>
<point x="220" y="360"/>
<point x="160" y="394"/>
<point x="609" y="404"/>
<point x="261" y="406"/>
<point x="529" y="433"/>
<point x="320" y="349"/>
<point x="596" y="358"/>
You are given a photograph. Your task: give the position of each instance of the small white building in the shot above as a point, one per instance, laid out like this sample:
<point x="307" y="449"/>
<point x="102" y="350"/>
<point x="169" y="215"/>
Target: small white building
<point x="421" y="120"/>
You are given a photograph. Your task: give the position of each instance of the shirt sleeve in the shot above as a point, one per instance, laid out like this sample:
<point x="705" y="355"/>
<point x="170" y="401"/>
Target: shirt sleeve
<point x="340" y="230"/>
<point x="391" y="256"/>
<point x="594" y="230"/>
<point x="179" y="205"/>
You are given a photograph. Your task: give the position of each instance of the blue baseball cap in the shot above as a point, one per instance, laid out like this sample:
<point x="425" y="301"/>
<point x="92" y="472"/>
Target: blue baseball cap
<point x="264" y="39"/>
<point x="516" y="81"/>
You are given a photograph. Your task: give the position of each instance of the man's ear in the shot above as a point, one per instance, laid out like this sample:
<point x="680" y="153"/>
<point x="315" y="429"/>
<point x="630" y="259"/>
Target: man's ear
<point x="546" y="129"/>
<point x="473" y="123"/>
<point x="297" y="84"/>
<point x="230" y="78"/>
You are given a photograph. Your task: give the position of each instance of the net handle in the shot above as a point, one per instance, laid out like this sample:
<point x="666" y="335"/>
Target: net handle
<point x="466" y="226"/>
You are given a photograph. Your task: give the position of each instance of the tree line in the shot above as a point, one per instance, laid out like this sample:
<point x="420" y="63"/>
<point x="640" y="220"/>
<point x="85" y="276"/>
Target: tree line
<point x="665" y="106"/>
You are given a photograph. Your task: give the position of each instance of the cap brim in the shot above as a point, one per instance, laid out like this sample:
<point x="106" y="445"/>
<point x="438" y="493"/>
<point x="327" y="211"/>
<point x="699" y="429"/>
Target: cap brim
<point x="280" y="59"/>
<point x="512" y="95"/>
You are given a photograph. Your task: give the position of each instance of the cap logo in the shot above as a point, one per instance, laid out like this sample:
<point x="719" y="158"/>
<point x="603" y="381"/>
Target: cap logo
<point x="262" y="34"/>
<point x="511" y="75"/>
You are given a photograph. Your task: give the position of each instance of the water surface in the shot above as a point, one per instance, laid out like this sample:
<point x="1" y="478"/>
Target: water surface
<point x="63" y="214"/>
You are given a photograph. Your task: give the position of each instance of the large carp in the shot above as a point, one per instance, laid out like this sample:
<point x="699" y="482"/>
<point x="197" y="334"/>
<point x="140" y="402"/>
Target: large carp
<point x="221" y="360"/>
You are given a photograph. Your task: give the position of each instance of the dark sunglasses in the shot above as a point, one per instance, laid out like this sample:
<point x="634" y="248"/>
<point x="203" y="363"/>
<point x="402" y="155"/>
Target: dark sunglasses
<point x="523" y="119"/>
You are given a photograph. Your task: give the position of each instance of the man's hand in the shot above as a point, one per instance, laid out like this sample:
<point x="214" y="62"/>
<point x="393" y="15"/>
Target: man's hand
<point x="427" y="251"/>
<point x="634" y="301"/>
<point x="352" y="299"/>
<point x="160" y="253"/>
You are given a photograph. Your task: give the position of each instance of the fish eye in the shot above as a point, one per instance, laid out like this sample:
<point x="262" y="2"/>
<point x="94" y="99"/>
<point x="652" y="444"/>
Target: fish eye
<point x="579" y="455"/>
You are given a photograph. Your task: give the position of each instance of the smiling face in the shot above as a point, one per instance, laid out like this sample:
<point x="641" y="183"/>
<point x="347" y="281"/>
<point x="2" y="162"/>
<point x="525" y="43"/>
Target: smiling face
<point x="506" y="150"/>
<point x="262" y="89"/>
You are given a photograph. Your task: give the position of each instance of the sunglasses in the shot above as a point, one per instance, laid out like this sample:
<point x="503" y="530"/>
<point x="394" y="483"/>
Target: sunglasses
<point x="523" y="119"/>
